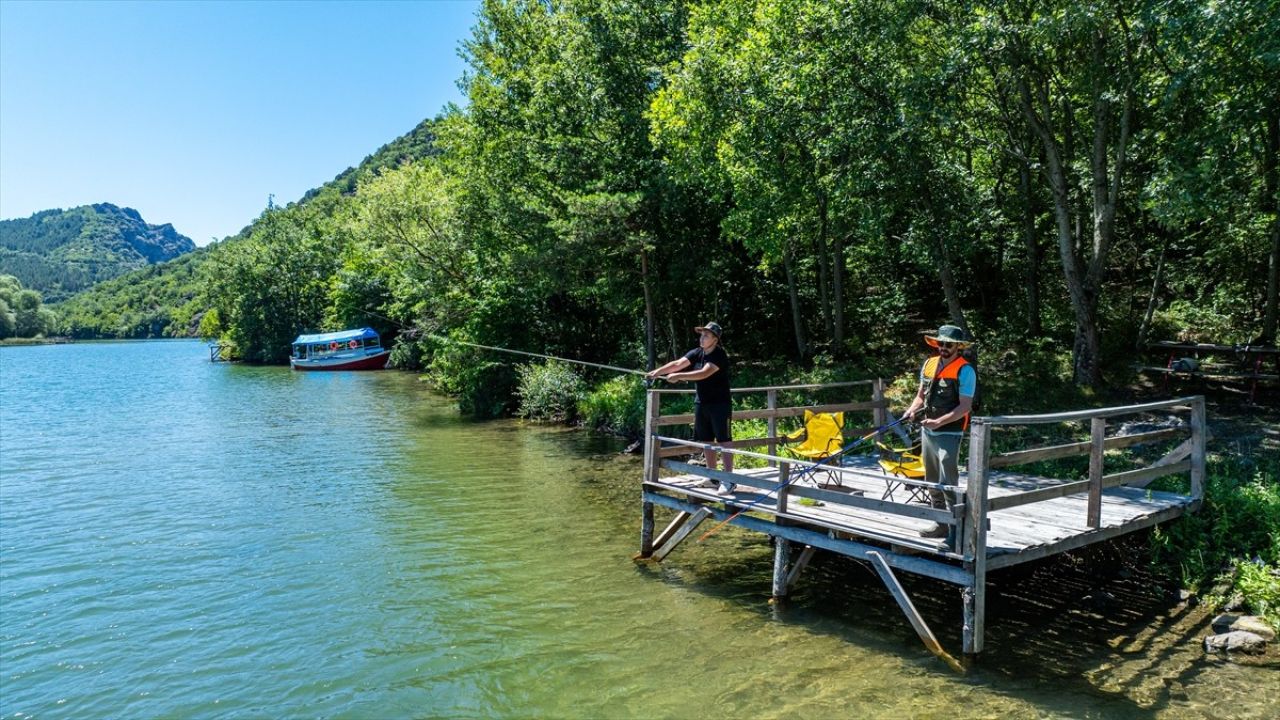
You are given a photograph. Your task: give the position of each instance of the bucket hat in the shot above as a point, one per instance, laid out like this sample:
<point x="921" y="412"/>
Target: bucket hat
<point x="949" y="334"/>
<point x="713" y="327"/>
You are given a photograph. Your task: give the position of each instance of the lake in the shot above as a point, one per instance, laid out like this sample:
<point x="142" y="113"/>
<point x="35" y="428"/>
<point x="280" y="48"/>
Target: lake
<point x="180" y="538"/>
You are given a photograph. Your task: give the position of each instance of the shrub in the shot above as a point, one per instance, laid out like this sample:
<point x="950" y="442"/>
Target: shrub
<point x="615" y="406"/>
<point x="550" y="391"/>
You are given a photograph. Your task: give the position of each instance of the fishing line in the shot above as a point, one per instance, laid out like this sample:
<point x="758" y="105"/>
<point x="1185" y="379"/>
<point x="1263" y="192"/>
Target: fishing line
<point x="540" y="355"/>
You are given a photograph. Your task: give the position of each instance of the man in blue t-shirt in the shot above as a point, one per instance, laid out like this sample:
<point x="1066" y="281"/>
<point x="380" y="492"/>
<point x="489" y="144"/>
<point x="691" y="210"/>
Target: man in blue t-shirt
<point x="947" y="386"/>
<point x="708" y="369"/>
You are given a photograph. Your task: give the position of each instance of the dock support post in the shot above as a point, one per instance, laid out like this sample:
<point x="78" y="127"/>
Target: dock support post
<point x="678" y="537"/>
<point x="975" y="536"/>
<point x="651" y="446"/>
<point x="909" y="609"/>
<point x="781" y="557"/>
<point x="1098" y="437"/>
<point x="799" y="565"/>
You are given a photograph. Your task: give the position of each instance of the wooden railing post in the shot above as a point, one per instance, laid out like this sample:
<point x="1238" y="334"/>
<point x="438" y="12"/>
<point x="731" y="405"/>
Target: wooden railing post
<point x="651" y="462"/>
<point x="1097" y="438"/>
<point x="772" y="400"/>
<point x="1197" y="448"/>
<point x="881" y="413"/>
<point x="975" y="536"/>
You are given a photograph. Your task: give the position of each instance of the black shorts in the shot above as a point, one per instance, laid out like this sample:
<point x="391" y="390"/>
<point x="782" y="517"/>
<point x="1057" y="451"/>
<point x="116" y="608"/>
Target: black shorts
<point x="711" y="422"/>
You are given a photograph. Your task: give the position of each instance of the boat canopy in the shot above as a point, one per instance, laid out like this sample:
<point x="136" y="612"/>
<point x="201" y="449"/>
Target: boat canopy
<point x="340" y="336"/>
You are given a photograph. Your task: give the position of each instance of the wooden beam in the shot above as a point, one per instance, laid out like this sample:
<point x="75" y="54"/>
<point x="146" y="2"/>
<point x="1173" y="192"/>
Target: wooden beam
<point x="909" y="609"/>
<point x="675" y="524"/>
<point x="646" y="529"/>
<point x="1054" y="452"/>
<point x="1098" y="433"/>
<point x="798" y="567"/>
<point x="1087" y="538"/>
<point x="1198" y="442"/>
<point x="771" y="402"/>
<point x="975" y="537"/>
<point x="851" y="548"/>
<point x="766" y="413"/>
<point x="1078" y="415"/>
<point x="680" y="535"/>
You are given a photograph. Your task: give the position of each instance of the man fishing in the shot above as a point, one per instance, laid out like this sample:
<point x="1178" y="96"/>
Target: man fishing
<point x="947" y="386"/>
<point x="709" y="372"/>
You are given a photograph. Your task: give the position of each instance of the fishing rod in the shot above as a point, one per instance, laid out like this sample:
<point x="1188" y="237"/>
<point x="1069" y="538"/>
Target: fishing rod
<point x="843" y="451"/>
<point x="540" y="355"/>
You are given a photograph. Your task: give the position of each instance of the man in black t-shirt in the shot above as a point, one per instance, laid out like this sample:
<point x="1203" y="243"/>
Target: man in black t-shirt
<point x="708" y="369"/>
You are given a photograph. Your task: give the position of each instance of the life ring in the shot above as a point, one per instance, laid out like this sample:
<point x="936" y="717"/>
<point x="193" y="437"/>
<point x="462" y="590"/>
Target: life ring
<point x="333" y="345"/>
<point x="353" y="344"/>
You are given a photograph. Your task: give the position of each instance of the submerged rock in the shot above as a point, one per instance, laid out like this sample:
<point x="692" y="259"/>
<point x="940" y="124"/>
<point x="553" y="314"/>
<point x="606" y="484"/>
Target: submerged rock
<point x="1235" y="641"/>
<point x="1247" y="623"/>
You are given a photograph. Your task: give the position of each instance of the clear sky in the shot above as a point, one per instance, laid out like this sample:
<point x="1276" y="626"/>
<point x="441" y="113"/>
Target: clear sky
<point x="194" y="112"/>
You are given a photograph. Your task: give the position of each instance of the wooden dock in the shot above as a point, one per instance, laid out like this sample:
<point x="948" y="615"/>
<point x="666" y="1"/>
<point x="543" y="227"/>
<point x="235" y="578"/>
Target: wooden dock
<point x="998" y="517"/>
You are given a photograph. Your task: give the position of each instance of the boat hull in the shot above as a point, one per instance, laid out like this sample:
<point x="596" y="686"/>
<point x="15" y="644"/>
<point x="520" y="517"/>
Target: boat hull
<point x="376" y="361"/>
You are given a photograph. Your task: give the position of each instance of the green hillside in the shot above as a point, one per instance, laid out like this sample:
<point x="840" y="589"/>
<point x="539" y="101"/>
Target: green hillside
<point x="61" y="252"/>
<point x="169" y="299"/>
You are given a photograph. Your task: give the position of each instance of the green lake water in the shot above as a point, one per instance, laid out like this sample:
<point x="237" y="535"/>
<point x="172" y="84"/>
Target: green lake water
<point x="186" y="539"/>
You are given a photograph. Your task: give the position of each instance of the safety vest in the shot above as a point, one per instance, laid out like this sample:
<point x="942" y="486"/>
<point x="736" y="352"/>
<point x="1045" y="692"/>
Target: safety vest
<point x="943" y="394"/>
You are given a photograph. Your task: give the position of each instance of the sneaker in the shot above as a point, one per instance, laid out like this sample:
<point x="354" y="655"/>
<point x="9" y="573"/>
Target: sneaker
<point x="726" y="488"/>
<point x="938" y="530"/>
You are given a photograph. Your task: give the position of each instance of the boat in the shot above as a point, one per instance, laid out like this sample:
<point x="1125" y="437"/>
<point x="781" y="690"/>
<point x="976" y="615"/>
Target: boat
<point x="344" y="350"/>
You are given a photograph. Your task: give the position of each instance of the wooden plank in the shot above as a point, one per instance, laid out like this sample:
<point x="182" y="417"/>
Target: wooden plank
<point x="1098" y="431"/>
<point x="909" y="609"/>
<point x="689" y="526"/>
<point x="851" y="548"/>
<point x="1088" y="538"/>
<point x="737" y="478"/>
<point x="676" y="523"/>
<point x="1005" y="502"/>
<point x="1055" y="452"/>
<point x="800" y="564"/>
<point x="766" y="413"/>
<point x="646" y="529"/>
<point x="771" y="402"/>
<point x="1077" y="415"/>
<point x="975" y="537"/>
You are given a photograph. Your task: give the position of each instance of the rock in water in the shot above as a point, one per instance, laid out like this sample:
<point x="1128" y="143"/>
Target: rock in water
<point x="1235" y="641"/>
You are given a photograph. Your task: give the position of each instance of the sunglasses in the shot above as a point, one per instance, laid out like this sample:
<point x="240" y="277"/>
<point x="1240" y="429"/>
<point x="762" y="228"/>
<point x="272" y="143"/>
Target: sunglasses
<point x="948" y="345"/>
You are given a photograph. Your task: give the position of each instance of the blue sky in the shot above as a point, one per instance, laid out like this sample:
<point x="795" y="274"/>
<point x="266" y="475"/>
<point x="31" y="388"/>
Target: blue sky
<point x="194" y="112"/>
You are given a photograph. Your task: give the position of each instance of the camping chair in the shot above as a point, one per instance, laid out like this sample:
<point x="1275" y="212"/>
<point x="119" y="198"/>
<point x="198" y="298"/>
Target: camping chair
<point x="904" y="463"/>
<point x="819" y="439"/>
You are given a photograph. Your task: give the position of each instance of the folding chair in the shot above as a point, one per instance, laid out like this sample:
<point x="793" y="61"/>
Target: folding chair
<point x="902" y="463"/>
<point x="819" y="439"/>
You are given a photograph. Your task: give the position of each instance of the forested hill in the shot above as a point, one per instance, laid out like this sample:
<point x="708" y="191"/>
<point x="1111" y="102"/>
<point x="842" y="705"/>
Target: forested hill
<point x="61" y="252"/>
<point x="170" y="299"/>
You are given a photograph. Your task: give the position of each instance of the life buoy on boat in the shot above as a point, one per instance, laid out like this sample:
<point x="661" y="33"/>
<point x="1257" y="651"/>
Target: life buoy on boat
<point x="333" y="345"/>
<point x="353" y="344"/>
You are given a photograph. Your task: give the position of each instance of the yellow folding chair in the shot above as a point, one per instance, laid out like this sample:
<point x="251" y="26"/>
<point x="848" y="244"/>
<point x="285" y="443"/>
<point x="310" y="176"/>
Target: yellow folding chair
<point x="902" y="463"/>
<point x="819" y="439"/>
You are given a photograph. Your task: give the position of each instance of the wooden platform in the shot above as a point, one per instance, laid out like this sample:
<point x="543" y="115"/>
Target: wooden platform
<point x="1015" y="535"/>
<point x="995" y="518"/>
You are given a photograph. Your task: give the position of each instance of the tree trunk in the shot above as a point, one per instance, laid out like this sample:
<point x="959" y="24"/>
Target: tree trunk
<point x="838" y="277"/>
<point x="1271" y="185"/>
<point x="1153" y="302"/>
<point x="649" y="344"/>
<point x="823" y="263"/>
<point x="1031" y="244"/>
<point x="796" y="318"/>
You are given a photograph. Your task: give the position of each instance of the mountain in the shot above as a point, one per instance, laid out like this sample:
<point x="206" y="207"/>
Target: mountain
<point x="61" y="252"/>
<point x="167" y="299"/>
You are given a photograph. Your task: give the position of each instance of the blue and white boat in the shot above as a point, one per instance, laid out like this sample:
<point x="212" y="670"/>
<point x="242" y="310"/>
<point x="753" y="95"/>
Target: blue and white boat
<point x="344" y="350"/>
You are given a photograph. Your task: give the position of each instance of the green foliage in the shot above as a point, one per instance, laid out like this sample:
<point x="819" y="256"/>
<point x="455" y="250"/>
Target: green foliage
<point x="22" y="313"/>
<point x="615" y="406"/>
<point x="1259" y="585"/>
<point x="549" y="391"/>
<point x="60" y="252"/>
<point x="1240" y="519"/>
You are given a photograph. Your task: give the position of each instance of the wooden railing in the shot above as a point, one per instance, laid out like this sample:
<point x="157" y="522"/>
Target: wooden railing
<point x="1189" y="457"/>
<point x="660" y="449"/>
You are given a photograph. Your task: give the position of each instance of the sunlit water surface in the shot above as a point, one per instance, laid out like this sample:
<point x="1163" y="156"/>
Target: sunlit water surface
<point x="183" y="538"/>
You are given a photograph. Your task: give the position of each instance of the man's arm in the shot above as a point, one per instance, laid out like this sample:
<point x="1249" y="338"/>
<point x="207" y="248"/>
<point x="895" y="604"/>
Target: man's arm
<point x="679" y="363"/>
<point x="702" y="373"/>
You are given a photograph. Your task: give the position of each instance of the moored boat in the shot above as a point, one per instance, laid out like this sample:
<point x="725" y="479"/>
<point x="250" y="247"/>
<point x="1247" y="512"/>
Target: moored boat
<point x="344" y="350"/>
